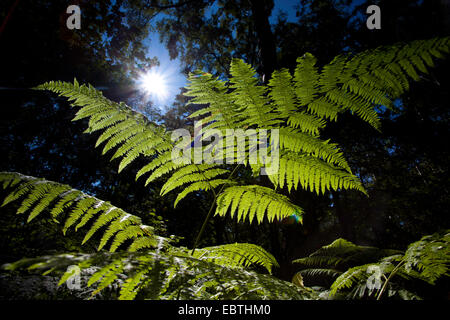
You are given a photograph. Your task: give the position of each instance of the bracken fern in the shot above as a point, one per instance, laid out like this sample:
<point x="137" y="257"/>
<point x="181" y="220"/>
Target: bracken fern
<point x="299" y="105"/>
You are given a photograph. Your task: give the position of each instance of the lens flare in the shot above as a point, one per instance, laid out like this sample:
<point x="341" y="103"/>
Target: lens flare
<point x="154" y="83"/>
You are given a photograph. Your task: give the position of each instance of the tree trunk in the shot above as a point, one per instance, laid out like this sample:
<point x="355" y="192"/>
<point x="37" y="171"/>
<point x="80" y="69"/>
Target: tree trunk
<point x="261" y="11"/>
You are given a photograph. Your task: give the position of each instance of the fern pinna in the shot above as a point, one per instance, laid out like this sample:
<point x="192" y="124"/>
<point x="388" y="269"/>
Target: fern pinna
<point x="296" y="106"/>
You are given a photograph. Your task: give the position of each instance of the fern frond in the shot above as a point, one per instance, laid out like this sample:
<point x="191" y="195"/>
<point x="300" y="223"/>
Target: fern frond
<point x="125" y="130"/>
<point x="425" y="260"/>
<point x="132" y="135"/>
<point x="318" y="272"/>
<point x="81" y="206"/>
<point x="250" y="97"/>
<point x="106" y="275"/>
<point x="161" y="167"/>
<point x="167" y="276"/>
<point x="67" y="198"/>
<point x="349" y="278"/>
<point x="313" y="174"/>
<point x="128" y="290"/>
<point x="282" y="93"/>
<point x="430" y="256"/>
<point x="342" y="253"/>
<point x="121" y="224"/>
<point x="368" y="79"/>
<point x="237" y="255"/>
<point x="306" y="79"/>
<point x="103" y="220"/>
<point x="162" y="159"/>
<point x="250" y="202"/>
<point x="37" y="195"/>
<point x="307" y="123"/>
<point x="144" y="242"/>
<point x="192" y="173"/>
<point x="296" y="141"/>
<point x="308" y="99"/>
<point x="324" y="108"/>
<point x="204" y="89"/>
<point x="202" y="186"/>
<point x="129" y="233"/>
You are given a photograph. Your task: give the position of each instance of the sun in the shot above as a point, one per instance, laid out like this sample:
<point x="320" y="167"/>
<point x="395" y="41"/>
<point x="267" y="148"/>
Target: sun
<point x="154" y="83"/>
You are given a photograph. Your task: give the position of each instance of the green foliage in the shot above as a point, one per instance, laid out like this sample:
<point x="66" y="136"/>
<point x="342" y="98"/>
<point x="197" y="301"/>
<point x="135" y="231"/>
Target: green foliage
<point x="299" y="106"/>
<point x="130" y="133"/>
<point x="425" y="260"/>
<point x="359" y="271"/>
<point x="359" y="82"/>
<point x="78" y="208"/>
<point x="200" y="177"/>
<point x="237" y="254"/>
<point x="329" y="262"/>
<point x="430" y="257"/>
<point x="165" y="274"/>
<point x="249" y="202"/>
<point x="119" y="227"/>
<point x="312" y="174"/>
<point x="341" y="254"/>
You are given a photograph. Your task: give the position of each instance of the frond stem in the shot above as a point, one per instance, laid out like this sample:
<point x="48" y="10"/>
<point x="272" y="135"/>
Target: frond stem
<point x="393" y="272"/>
<point x="208" y="216"/>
